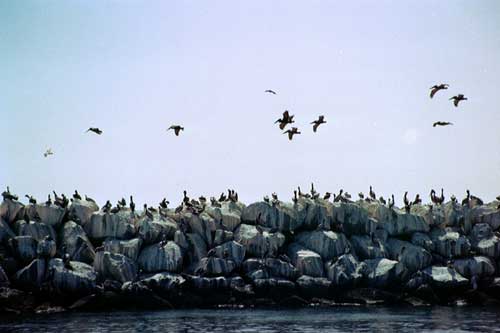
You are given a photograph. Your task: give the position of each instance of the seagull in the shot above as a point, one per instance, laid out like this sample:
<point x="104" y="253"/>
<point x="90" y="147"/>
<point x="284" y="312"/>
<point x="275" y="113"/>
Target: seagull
<point x="48" y="152"/>
<point x="177" y="129"/>
<point x="321" y="120"/>
<point x="436" y="88"/>
<point x="95" y="130"/>
<point x="456" y="99"/>
<point x="441" y="123"/>
<point x="291" y="132"/>
<point x="285" y="120"/>
<point x="270" y="91"/>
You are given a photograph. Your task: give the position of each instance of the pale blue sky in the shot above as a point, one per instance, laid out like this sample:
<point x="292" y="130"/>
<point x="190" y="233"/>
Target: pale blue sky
<point x="133" y="68"/>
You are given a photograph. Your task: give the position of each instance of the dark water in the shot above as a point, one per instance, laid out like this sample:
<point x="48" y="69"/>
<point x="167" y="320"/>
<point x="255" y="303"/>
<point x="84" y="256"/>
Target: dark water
<point x="341" y="319"/>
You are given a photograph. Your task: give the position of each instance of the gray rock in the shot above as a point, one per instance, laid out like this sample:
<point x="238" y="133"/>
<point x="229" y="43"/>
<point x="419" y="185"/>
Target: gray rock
<point x="24" y="248"/>
<point x="268" y="287"/>
<point x="484" y="214"/>
<point x="269" y="268"/>
<point x="229" y="215"/>
<point x="327" y="244"/>
<point x="476" y="266"/>
<point x="81" y="211"/>
<point x="115" y="266"/>
<point x="433" y="215"/>
<point x="36" y="230"/>
<point x="413" y="257"/>
<point x="313" y="286"/>
<point x="154" y="231"/>
<point x="422" y="240"/>
<point x="216" y="283"/>
<point x="222" y="236"/>
<point x="382" y="273"/>
<point x="46" y="248"/>
<point x="104" y="225"/>
<point x="454" y="215"/>
<point x="233" y="250"/>
<point x="257" y="244"/>
<point x="397" y="223"/>
<point x="444" y="277"/>
<point x="154" y="258"/>
<point x="129" y="248"/>
<point x="484" y="241"/>
<point x="353" y="218"/>
<point x="345" y="272"/>
<point x="202" y="225"/>
<point x="213" y="266"/>
<point x="76" y="243"/>
<point x="306" y="261"/>
<point x="164" y="282"/>
<point x="33" y="275"/>
<point x="283" y="217"/>
<point x="365" y="248"/>
<point x="10" y="210"/>
<point x="4" y="280"/>
<point x="315" y="213"/>
<point x="197" y="247"/>
<point x="80" y="279"/>
<point x="5" y="232"/>
<point x="50" y="215"/>
<point x="449" y="243"/>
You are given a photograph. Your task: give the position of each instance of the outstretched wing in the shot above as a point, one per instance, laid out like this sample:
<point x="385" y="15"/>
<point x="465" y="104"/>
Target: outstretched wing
<point x="286" y="115"/>
<point x="455" y="102"/>
<point x="434" y="91"/>
<point x="315" y="127"/>
<point x="290" y="135"/>
<point x="282" y="125"/>
<point x="177" y="130"/>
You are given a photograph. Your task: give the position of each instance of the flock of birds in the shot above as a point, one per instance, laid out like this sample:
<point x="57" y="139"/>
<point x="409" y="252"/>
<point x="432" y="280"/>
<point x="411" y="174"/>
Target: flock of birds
<point x="456" y="99"/>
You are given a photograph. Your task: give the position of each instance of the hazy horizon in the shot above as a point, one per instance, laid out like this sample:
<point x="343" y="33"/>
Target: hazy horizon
<point x="134" y="68"/>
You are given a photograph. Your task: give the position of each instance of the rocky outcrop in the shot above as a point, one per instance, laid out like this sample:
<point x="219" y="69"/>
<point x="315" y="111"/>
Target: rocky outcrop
<point x="104" y="225"/>
<point x="10" y="210"/>
<point x="33" y="275"/>
<point x="49" y="215"/>
<point x="153" y="231"/>
<point x="75" y="242"/>
<point x="259" y="244"/>
<point x="444" y="277"/>
<point x="81" y="211"/>
<point x="306" y="261"/>
<point x="367" y="247"/>
<point x="484" y="241"/>
<point x="156" y="258"/>
<point x="282" y="217"/>
<point x="129" y="248"/>
<point x="37" y="230"/>
<point x="383" y="273"/>
<point x="115" y="266"/>
<point x="476" y="266"/>
<point x="327" y="244"/>
<point x="449" y="243"/>
<point x="77" y="278"/>
<point x="24" y="248"/>
<point x="346" y="271"/>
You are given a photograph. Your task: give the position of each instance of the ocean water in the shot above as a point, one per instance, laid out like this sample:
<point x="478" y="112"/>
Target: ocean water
<point x="337" y="319"/>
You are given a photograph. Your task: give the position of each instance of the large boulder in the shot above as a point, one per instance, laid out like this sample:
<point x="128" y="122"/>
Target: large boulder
<point x="311" y="287"/>
<point x="484" y="241"/>
<point x="46" y="248"/>
<point x="50" y="215"/>
<point x="81" y="211"/>
<point x="10" y="210"/>
<point x="6" y="232"/>
<point x="103" y="225"/>
<point x="196" y="246"/>
<point x="484" y="214"/>
<point x="258" y="244"/>
<point x="228" y="216"/>
<point x="222" y="236"/>
<point x="213" y="266"/>
<point x="269" y="268"/>
<point x="383" y="273"/>
<point x="306" y="261"/>
<point x="231" y="250"/>
<point x="475" y="266"/>
<point x="4" y="279"/>
<point x="327" y="244"/>
<point x="315" y="213"/>
<point x="454" y="215"/>
<point x="165" y="284"/>
<point x="367" y="247"/>
<point x="33" y="275"/>
<point x="36" y="230"/>
<point x="153" y="231"/>
<point x="282" y="217"/>
<point x="115" y="266"/>
<point x="444" y="277"/>
<point x="413" y="257"/>
<point x="397" y="223"/>
<point x="449" y="243"/>
<point x="202" y="225"/>
<point x="24" y="248"/>
<point x="129" y="248"/>
<point x="353" y="218"/>
<point x="346" y="271"/>
<point x="215" y="283"/>
<point x="156" y="258"/>
<point x="75" y="242"/>
<point x="422" y="240"/>
<point x="79" y="278"/>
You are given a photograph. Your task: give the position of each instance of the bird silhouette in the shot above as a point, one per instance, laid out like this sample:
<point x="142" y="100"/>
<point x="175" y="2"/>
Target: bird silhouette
<point x="441" y="123"/>
<point x="456" y="99"/>
<point x="270" y="91"/>
<point x="177" y="129"/>
<point x="95" y="130"/>
<point x="48" y="152"/>
<point x="436" y="88"/>
<point x="292" y="132"/>
<point x="321" y="120"/>
<point x="285" y="120"/>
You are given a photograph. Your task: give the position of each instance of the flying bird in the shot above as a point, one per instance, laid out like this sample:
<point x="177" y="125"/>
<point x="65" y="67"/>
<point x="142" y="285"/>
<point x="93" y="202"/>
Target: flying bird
<point x="270" y="91"/>
<point x="436" y="88"/>
<point x="321" y="120"/>
<point x="441" y="123"/>
<point x="456" y="99"/>
<point x="291" y="132"/>
<point x="285" y="120"/>
<point x="177" y="129"/>
<point x="95" y="130"/>
<point x="48" y="152"/>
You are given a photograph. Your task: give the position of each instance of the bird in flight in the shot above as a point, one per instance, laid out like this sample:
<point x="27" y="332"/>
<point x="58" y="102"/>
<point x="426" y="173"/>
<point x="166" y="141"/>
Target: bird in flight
<point x="48" y="152"/>
<point x="285" y="120"/>
<point x="441" y="123"/>
<point x="456" y="99"/>
<point x="270" y="91"/>
<point x="291" y="132"/>
<point x="95" y="130"/>
<point x="321" y="120"/>
<point x="436" y="88"/>
<point x="177" y="129"/>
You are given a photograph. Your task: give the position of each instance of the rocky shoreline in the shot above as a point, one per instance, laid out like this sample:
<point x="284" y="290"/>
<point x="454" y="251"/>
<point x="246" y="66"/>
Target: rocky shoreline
<point x="310" y="252"/>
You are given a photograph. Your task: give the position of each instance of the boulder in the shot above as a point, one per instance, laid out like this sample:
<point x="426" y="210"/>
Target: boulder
<point x="484" y="241"/>
<point x="103" y="225"/>
<point x="115" y="266"/>
<point x="422" y="240"/>
<point x="367" y="247"/>
<point x="444" y="277"/>
<point x="475" y="266"/>
<point x="346" y="271"/>
<point x="80" y="279"/>
<point x="153" y="231"/>
<point x="213" y="266"/>
<point x="281" y="217"/>
<point x="197" y="247"/>
<point x="306" y="261"/>
<point x="129" y="248"/>
<point x="311" y="287"/>
<point x="315" y="213"/>
<point x="33" y="275"/>
<point x="413" y="257"/>
<point x="269" y="268"/>
<point x="484" y="214"/>
<point x="4" y="279"/>
<point x="222" y="236"/>
<point x="433" y="215"/>
<point x="397" y="223"/>
<point x="383" y="273"/>
<point x="50" y="215"/>
<point x="449" y="243"/>
<point x="231" y="250"/>
<point x="353" y="218"/>
<point x="24" y="248"/>
<point x="228" y="216"/>
<point x="327" y="244"/>
<point x="258" y="244"/>
<point x="273" y="287"/>
<point x="164" y="283"/>
<point x="5" y="232"/>
<point x="46" y="248"/>
<point x="454" y="215"/>
<point x="75" y="242"/>
<point x="81" y="211"/>
<point x="215" y="283"/>
<point x="202" y="225"/>
<point x="37" y="230"/>
<point x="155" y="258"/>
<point x="10" y="210"/>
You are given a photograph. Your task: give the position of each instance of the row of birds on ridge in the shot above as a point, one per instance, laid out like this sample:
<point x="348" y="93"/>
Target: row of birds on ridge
<point x="456" y="99"/>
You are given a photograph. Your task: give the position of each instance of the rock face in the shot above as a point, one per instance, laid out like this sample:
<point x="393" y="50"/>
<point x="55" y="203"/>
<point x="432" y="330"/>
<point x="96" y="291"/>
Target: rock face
<point x="76" y="243"/>
<point x="475" y="266"/>
<point x="38" y="231"/>
<point x="10" y="209"/>
<point x="229" y="215"/>
<point x="153" y="231"/>
<point x="259" y="244"/>
<point x="156" y="258"/>
<point x="79" y="278"/>
<point x="382" y="273"/>
<point x="104" y="225"/>
<point x="50" y="215"/>
<point x="347" y="271"/>
<point x="214" y="266"/>
<point x="484" y="241"/>
<point x="444" y="277"/>
<point x="305" y="260"/>
<point x="283" y="217"/>
<point x="33" y="275"/>
<point x="449" y="243"/>
<point x="24" y="248"/>
<point x="115" y="266"/>
<point x="81" y="211"/>
<point x="413" y="257"/>
<point x="368" y="248"/>
<point x="231" y="250"/>
<point x="327" y="244"/>
<point x="129" y="248"/>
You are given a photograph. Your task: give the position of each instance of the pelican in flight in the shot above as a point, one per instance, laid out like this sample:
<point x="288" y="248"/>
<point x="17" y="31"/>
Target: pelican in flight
<point x="456" y="99"/>
<point x="177" y="129"/>
<point x="95" y="130"/>
<point x="292" y="132"/>
<point x="270" y="91"/>
<point x="437" y="87"/>
<point x="441" y="123"/>
<point x="48" y="152"/>
<point x="285" y="120"/>
<point x="321" y="120"/>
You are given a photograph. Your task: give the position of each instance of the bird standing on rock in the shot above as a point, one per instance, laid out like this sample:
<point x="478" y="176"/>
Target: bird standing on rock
<point x="77" y="196"/>
<point x="372" y="194"/>
<point x="177" y="129"/>
<point x="95" y="130"/>
<point x="321" y="120"/>
<point x="132" y="204"/>
<point x="436" y="88"/>
<point x="292" y="132"/>
<point x="456" y="99"/>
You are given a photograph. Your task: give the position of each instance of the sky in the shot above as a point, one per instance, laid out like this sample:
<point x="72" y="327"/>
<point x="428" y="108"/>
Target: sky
<point x="133" y="68"/>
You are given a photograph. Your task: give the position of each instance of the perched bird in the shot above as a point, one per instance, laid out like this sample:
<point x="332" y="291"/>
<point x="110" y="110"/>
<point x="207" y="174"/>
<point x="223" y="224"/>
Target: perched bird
<point x="270" y="91"/>
<point x="382" y="200"/>
<point x="456" y="99"/>
<point x="177" y="129"/>
<point x="285" y="120"/>
<point x="327" y="196"/>
<point x="361" y="195"/>
<point x="49" y="201"/>
<point x="132" y="204"/>
<point x="292" y="132"/>
<point x="48" y="152"/>
<point x="417" y="200"/>
<point x="372" y="194"/>
<point x="122" y="202"/>
<point x="164" y="203"/>
<point x="436" y="88"/>
<point x="31" y="199"/>
<point x="89" y="199"/>
<point x="321" y="120"/>
<point x="77" y="196"/>
<point x="441" y="123"/>
<point x="95" y="130"/>
<point x="391" y="202"/>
